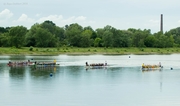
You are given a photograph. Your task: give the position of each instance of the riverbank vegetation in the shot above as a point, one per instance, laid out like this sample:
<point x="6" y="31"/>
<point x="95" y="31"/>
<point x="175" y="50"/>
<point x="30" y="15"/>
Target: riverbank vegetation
<point x="81" y="51"/>
<point x="74" y="38"/>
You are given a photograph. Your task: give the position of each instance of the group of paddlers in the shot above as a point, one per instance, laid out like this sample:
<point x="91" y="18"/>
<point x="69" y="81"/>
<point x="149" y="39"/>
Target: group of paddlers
<point x="45" y="63"/>
<point x="10" y="63"/>
<point x="152" y="66"/>
<point x="23" y="63"/>
<point x="96" y="64"/>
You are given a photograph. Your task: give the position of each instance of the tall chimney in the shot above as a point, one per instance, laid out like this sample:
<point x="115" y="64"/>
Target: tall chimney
<point x="161" y="26"/>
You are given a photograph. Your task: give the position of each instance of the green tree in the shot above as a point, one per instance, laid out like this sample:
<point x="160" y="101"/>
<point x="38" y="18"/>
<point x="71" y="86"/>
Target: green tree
<point x="121" y="39"/>
<point x="98" y="42"/>
<point x="73" y="34"/>
<point x="150" y="41"/>
<point x="175" y="33"/>
<point x="107" y="39"/>
<point x="30" y="36"/>
<point x="169" y="41"/>
<point x="59" y="33"/>
<point x="4" y="40"/>
<point x="43" y="38"/>
<point x="99" y="33"/>
<point x="86" y="41"/>
<point x="49" y="25"/>
<point x="17" y="36"/>
<point x="139" y="37"/>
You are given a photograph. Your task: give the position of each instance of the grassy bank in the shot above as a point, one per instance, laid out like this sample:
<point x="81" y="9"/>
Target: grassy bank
<point x="92" y="50"/>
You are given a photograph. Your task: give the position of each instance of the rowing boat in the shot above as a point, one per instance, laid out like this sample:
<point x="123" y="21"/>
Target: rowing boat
<point x="20" y="63"/>
<point x="96" y="65"/>
<point x="45" y="64"/>
<point x="151" y="67"/>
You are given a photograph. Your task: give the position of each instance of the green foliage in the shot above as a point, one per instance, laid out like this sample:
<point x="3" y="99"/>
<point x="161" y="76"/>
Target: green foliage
<point x="97" y="42"/>
<point x="150" y="41"/>
<point x="85" y="38"/>
<point x="47" y="34"/>
<point x="107" y="39"/>
<point x="31" y="48"/>
<point x="73" y="34"/>
<point x="142" y="50"/>
<point x="17" y="36"/>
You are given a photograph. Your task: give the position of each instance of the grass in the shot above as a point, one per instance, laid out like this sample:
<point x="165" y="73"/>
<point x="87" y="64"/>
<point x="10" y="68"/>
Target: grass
<point x="90" y="50"/>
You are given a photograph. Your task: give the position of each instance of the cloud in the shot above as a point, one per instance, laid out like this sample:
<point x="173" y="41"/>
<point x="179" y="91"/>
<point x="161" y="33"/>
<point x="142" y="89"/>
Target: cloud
<point x="5" y="14"/>
<point x="27" y="21"/>
<point x="61" y="21"/>
<point x="54" y="18"/>
<point x="154" y="21"/>
<point x="24" y="20"/>
<point x="80" y="18"/>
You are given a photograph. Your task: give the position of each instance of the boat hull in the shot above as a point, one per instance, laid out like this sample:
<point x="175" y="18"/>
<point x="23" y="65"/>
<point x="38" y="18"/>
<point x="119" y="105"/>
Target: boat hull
<point x="95" y="67"/>
<point x="149" y="69"/>
<point x="20" y="63"/>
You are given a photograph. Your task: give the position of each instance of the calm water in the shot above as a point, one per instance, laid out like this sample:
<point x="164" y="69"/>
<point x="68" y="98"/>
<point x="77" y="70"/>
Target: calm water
<point x="122" y="83"/>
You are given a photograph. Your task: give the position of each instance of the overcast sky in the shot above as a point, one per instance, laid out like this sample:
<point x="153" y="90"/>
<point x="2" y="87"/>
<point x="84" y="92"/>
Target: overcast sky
<point x="121" y="14"/>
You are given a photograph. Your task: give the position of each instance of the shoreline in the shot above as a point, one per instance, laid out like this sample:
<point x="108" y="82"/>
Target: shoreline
<point x="88" y="51"/>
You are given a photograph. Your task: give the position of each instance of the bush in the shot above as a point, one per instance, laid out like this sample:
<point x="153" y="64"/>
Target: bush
<point x="31" y="48"/>
<point x="58" y="49"/>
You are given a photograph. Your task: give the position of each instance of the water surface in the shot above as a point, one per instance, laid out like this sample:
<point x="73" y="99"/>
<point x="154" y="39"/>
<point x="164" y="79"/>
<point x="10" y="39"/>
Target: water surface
<point x="122" y="83"/>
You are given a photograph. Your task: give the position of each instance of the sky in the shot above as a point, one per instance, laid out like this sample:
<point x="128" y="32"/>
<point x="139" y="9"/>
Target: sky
<point x="120" y="14"/>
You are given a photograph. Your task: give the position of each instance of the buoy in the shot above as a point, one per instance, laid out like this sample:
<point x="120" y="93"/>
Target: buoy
<point x="129" y="56"/>
<point x="171" y="68"/>
<point x="51" y="74"/>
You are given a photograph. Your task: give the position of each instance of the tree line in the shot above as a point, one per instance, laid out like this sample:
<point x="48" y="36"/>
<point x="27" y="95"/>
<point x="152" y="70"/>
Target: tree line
<point x="48" y="34"/>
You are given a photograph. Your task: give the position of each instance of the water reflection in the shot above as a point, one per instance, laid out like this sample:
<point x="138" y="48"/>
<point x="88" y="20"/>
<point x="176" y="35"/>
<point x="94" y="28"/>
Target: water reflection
<point x="74" y="70"/>
<point x="17" y="72"/>
<point x="42" y="71"/>
<point x="151" y="70"/>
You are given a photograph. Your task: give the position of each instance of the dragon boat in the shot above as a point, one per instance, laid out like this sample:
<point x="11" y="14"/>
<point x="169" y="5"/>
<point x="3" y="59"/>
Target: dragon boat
<point x="96" y="65"/>
<point x="20" y="63"/>
<point x="151" y="67"/>
<point x="45" y="64"/>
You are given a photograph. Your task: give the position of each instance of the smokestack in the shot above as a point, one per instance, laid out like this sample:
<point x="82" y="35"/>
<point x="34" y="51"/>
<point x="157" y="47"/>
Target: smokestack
<point x="161" y="26"/>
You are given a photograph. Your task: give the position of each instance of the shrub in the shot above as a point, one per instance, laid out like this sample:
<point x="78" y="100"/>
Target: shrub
<point x="31" y="48"/>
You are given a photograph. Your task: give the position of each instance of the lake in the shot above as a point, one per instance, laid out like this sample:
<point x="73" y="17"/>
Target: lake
<point x="122" y="83"/>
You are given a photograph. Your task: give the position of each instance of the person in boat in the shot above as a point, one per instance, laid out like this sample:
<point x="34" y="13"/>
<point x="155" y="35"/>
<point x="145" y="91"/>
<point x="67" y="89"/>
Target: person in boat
<point x="105" y="63"/>
<point x="54" y="62"/>
<point x="143" y="65"/>
<point x="159" y="64"/>
<point x="87" y="64"/>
